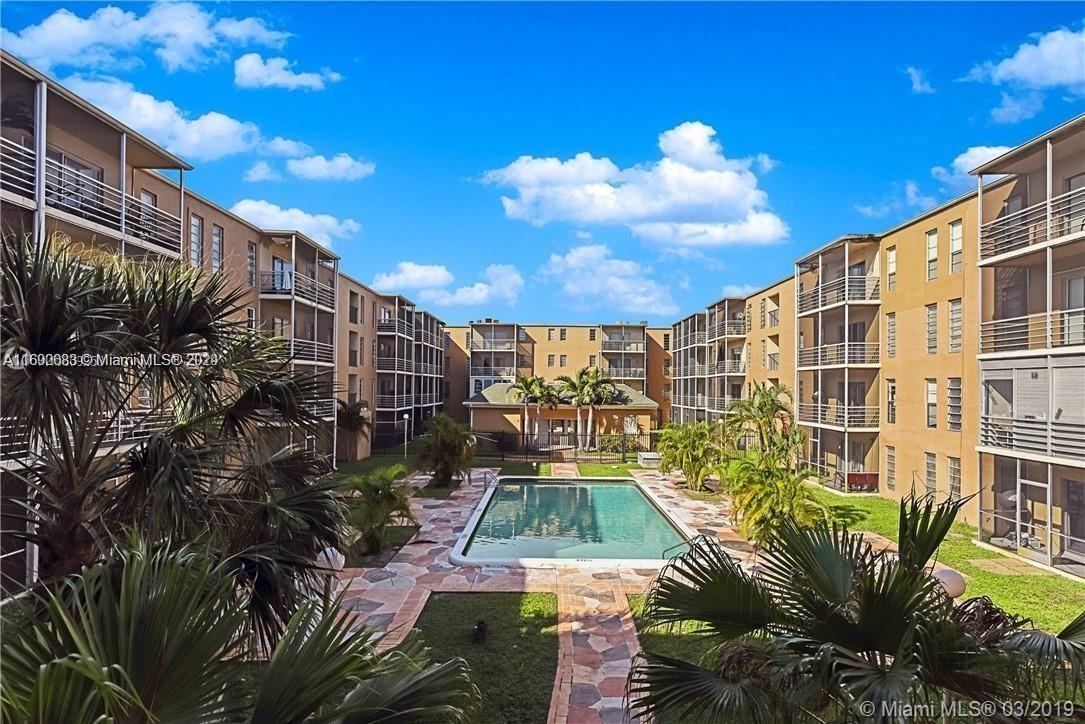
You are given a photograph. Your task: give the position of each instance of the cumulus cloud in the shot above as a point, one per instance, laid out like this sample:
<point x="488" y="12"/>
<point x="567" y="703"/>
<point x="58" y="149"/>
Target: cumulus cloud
<point x="252" y="70"/>
<point x="502" y="283"/>
<point x="206" y="137"/>
<point x="341" y="167"/>
<point x="694" y="195"/>
<point x="955" y="178"/>
<point x="592" y="277"/>
<point x="262" y="171"/>
<point x="738" y="290"/>
<point x="904" y="197"/>
<point x="1047" y="61"/>
<point x="323" y="228"/>
<point x="183" y="35"/>
<point x="920" y="84"/>
<point x="410" y="276"/>
<point x="280" y="146"/>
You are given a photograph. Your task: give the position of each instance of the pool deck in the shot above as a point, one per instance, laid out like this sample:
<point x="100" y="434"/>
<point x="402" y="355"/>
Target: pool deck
<point x="597" y="639"/>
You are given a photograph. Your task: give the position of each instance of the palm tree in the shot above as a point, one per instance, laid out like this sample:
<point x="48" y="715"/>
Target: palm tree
<point x="832" y="630"/>
<point x="599" y="390"/>
<point x="766" y="493"/>
<point x="767" y="412"/>
<point x="206" y="455"/>
<point x="577" y="390"/>
<point x="351" y="417"/>
<point x="524" y="389"/>
<point x="447" y="449"/>
<point x="378" y="499"/>
<point x="546" y="395"/>
<point x="159" y="636"/>
<point x="693" y="449"/>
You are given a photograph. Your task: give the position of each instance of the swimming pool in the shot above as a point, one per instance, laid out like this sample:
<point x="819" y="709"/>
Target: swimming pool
<point x="529" y="521"/>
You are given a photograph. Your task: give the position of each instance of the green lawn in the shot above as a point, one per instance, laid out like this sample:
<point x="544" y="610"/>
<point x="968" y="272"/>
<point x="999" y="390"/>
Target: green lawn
<point x="398" y="535"/>
<point x="606" y="470"/>
<point x="514" y="668"/>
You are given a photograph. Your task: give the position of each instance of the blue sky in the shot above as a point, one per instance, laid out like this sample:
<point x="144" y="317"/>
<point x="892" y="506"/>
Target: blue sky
<point x="570" y="161"/>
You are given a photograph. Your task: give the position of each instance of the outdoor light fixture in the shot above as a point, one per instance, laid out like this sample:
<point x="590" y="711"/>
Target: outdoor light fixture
<point x="406" y="417"/>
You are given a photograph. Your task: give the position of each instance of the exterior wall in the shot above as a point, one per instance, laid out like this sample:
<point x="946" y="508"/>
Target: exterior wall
<point x="779" y="339"/>
<point x="658" y="384"/>
<point x="510" y="418"/>
<point x="356" y="374"/>
<point x="457" y="360"/>
<point x="577" y="348"/>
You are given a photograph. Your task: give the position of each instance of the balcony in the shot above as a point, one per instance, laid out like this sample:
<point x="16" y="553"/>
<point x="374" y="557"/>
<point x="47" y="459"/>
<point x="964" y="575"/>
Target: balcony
<point x="484" y="371"/>
<point x="1029" y="226"/>
<point x="622" y="345"/>
<point x="1045" y="437"/>
<point x="693" y="370"/>
<point x="774" y="318"/>
<point x="691" y="339"/>
<point x="625" y="373"/>
<point x="394" y="364"/>
<point x="493" y="345"/>
<point x="728" y="367"/>
<point x="427" y="368"/>
<point x="322" y="408"/>
<point x="289" y="283"/>
<point x="430" y="398"/>
<point x="130" y="426"/>
<point x="17" y="168"/>
<point x="395" y="326"/>
<point x="307" y="350"/>
<point x="689" y="400"/>
<point x="840" y="354"/>
<point x="852" y="481"/>
<point x="773" y="362"/>
<point x="424" y="336"/>
<point x="394" y="402"/>
<point x="719" y="404"/>
<point x="842" y="289"/>
<point x="1060" y="328"/>
<point x="847" y="416"/>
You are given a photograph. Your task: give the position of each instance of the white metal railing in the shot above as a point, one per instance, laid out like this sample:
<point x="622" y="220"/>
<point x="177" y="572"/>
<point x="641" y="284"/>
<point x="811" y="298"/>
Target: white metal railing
<point x="130" y="426"/>
<point x="493" y="345"/>
<point x="393" y="402"/>
<point x="311" y="350"/>
<point x="689" y="400"/>
<point x="322" y="408"/>
<point x="394" y="364"/>
<point x="852" y="416"/>
<point x="395" y="326"/>
<point x="727" y="367"/>
<point x="426" y="337"/>
<point x="691" y="339"/>
<point x="622" y="345"/>
<point x="719" y="404"/>
<point x="1029" y="225"/>
<point x="841" y="289"/>
<point x="484" y="371"/>
<point x="152" y="225"/>
<point x="82" y="196"/>
<point x="300" y="285"/>
<point x="427" y="368"/>
<point x="1060" y="328"/>
<point x="17" y="168"/>
<point x="840" y="354"/>
<point x="430" y="398"/>
<point x="1049" y="437"/>
<point x="692" y="370"/>
<point x="625" y="373"/>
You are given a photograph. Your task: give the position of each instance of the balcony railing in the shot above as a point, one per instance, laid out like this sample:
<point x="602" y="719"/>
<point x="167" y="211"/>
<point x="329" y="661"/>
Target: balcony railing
<point x="83" y="196"/>
<point x="851" y="416"/>
<point x="840" y="354"/>
<point x="298" y="285"/>
<point x="719" y="404"/>
<point x="322" y="408"/>
<point x="691" y="370"/>
<point x="493" y="345"/>
<point x="774" y="318"/>
<point x="394" y="402"/>
<point x="430" y="398"/>
<point x="483" y="371"/>
<point x="857" y="481"/>
<point x="1047" y="437"/>
<point x="689" y="400"/>
<point x="841" y="289"/>
<point x="17" y="168"/>
<point x="727" y="367"/>
<point x="1029" y="225"/>
<point x="312" y="351"/>
<point x="773" y="361"/>
<point x="1060" y="328"/>
<point x="395" y="326"/>
<point x="622" y="345"/>
<point x="626" y="373"/>
<point x="427" y="368"/>
<point x="691" y="339"/>
<point x="426" y="337"/>
<point x="394" y="364"/>
<point x="130" y="426"/>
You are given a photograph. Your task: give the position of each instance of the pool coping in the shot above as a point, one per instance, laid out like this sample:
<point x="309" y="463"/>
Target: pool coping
<point x="456" y="555"/>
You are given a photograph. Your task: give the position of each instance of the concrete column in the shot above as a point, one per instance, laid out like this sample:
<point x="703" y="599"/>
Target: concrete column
<point x="41" y="124"/>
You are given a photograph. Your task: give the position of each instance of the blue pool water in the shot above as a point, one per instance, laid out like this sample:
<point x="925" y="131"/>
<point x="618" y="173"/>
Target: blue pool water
<point x="529" y="518"/>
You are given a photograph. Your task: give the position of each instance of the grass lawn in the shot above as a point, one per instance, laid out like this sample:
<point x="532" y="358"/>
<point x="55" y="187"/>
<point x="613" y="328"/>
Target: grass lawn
<point x="398" y="535"/>
<point x="514" y="669"/>
<point x="606" y="470"/>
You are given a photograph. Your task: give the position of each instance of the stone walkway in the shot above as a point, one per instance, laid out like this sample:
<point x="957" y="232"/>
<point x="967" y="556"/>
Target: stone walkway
<point x="564" y="470"/>
<point x="596" y="635"/>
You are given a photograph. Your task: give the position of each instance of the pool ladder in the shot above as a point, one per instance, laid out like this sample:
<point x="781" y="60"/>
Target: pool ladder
<point x="489" y="478"/>
<point x="666" y="551"/>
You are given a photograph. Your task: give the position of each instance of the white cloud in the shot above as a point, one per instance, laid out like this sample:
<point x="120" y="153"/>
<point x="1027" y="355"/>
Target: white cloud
<point x="253" y="71"/>
<point x="320" y="227"/>
<point x="904" y="197"/>
<point x="583" y="235"/>
<point x="920" y="84"/>
<point x="591" y="277"/>
<point x="503" y="283"/>
<point x="206" y="138"/>
<point x="341" y="167"/>
<point x="262" y="171"/>
<point x="1048" y="61"/>
<point x="280" y="146"/>
<point x="956" y="179"/>
<point x="183" y="35"/>
<point x="409" y="276"/>
<point x="694" y="195"/>
<point x="738" y="290"/>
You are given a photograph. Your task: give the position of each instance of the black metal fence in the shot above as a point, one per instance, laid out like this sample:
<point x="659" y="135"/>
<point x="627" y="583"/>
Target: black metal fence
<point x="548" y="446"/>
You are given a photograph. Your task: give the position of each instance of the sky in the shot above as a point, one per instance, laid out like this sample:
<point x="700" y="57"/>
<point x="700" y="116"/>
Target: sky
<point x="570" y="162"/>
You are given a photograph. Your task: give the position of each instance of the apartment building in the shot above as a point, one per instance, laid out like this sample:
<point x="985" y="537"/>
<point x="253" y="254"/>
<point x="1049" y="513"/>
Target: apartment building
<point x="489" y="352"/>
<point x="689" y="369"/>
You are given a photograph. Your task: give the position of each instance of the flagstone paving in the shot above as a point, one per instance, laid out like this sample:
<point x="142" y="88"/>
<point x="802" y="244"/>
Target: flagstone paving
<point x="597" y="638"/>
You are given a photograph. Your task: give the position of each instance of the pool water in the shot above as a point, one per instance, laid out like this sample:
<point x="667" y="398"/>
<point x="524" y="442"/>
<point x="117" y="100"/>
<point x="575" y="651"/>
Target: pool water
<point x="529" y="518"/>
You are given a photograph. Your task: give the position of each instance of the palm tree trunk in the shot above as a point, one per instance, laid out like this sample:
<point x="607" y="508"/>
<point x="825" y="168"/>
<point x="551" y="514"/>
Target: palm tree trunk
<point x="579" y="429"/>
<point x="591" y="426"/>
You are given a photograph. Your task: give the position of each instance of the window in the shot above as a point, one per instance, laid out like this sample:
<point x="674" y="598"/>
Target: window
<point x="764" y="355"/>
<point x="373" y="313"/>
<point x="930" y="480"/>
<point x="521" y="334"/>
<point x="250" y="313"/>
<point x="891" y="267"/>
<point x="667" y="342"/>
<point x="561" y="334"/>
<point x="666" y="368"/>
<point x="890" y="334"/>
<point x="890" y="467"/>
<point x="932" y="254"/>
<point x="591" y="360"/>
<point x="932" y="329"/>
<point x="762" y="314"/>
<point x="932" y="403"/>
<point x="355" y="308"/>
<point x="591" y="334"/>
<point x="956" y="325"/>
<point x="890" y="401"/>
<point x="251" y="264"/>
<point x="195" y="240"/>
<point x="563" y="361"/>
<point x="956" y="247"/>
<point x="216" y="247"/>
<point x="361" y="352"/>
<point x="549" y="360"/>
<point x="954" y="478"/>
<point x="550" y="335"/>
<point x="953" y="403"/>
